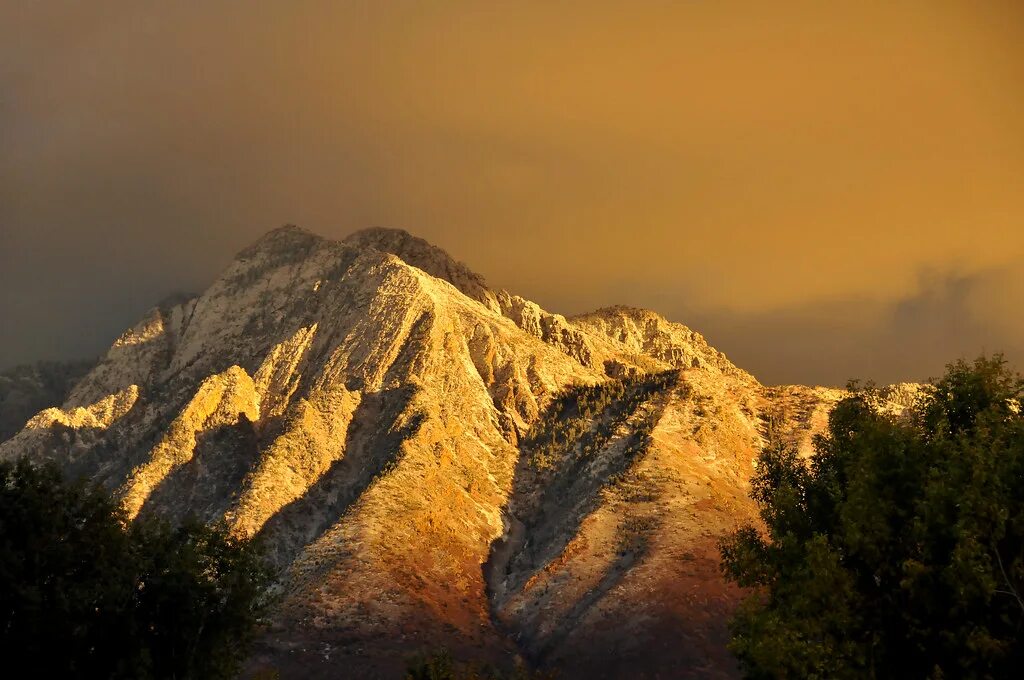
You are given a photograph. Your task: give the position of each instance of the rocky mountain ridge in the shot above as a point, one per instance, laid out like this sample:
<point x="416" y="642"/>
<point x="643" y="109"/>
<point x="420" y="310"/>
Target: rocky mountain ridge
<point x="435" y="463"/>
<point x="27" y="389"/>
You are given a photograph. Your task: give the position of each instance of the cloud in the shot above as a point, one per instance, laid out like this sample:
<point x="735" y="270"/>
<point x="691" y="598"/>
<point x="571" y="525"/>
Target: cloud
<point x="776" y="158"/>
<point x="948" y="316"/>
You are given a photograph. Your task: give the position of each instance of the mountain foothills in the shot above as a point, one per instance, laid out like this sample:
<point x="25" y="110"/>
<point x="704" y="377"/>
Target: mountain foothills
<point x="432" y="463"/>
<point x="26" y="390"/>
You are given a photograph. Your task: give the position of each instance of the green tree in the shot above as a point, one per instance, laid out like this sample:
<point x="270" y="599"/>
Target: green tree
<point x="84" y="594"/>
<point x="897" y="550"/>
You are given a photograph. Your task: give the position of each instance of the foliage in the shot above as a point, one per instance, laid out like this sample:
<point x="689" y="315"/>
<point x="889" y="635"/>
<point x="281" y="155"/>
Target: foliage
<point x="584" y="418"/>
<point x="84" y="595"/>
<point x="441" y="666"/>
<point x="897" y="550"/>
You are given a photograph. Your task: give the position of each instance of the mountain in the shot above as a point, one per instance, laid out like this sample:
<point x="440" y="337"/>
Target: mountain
<point x="433" y="463"/>
<point x="26" y="390"/>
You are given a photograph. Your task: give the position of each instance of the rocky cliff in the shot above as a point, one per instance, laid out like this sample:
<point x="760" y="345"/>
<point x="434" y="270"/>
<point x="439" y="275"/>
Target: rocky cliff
<point x="435" y="463"/>
<point x="26" y="390"/>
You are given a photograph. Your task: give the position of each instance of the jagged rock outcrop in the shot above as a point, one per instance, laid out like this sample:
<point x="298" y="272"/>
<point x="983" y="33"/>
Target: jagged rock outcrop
<point x="433" y="463"/>
<point x="644" y="333"/>
<point x="222" y="400"/>
<point x="428" y="257"/>
<point x="26" y="390"/>
<point x="551" y="328"/>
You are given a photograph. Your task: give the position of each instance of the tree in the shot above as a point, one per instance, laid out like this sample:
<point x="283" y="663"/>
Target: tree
<point x="441" y="666"/>
<point x="897" y="550"/>
<point x="84" y="594"/>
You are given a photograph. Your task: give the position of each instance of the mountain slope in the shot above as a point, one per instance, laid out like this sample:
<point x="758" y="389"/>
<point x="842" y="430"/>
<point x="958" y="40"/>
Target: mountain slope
<point x="433" y="463"/>
<point x="26" y="390"/>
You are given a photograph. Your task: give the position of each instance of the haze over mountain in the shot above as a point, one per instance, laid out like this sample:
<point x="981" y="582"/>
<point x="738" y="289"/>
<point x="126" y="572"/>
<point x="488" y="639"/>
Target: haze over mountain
<point x="785" y="176"/>
<point x="434" y="462"/>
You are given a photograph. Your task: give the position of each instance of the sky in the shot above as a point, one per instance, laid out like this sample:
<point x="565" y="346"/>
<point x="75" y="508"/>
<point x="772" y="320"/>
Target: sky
<point x="825" y="190"/>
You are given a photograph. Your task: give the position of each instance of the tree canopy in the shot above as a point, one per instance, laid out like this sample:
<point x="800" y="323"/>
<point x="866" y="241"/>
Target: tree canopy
<point x="897" y="549"/>
<point x="442" y="666"/>
<point x="84" y="594"/>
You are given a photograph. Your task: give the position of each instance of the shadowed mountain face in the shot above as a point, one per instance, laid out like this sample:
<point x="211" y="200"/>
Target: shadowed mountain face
<point x="435" y="463"/>
<point x="26" y="390"/>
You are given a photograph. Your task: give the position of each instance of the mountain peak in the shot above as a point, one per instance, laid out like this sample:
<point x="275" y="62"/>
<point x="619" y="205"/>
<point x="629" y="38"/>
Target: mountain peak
<point x="288" y="231"/>
<point x="647" y="332"/>
<point x="424" y="255"/>
<point x="282" y="239"/>
<point x="625" y="311"/>
<point x="386" y="234"/>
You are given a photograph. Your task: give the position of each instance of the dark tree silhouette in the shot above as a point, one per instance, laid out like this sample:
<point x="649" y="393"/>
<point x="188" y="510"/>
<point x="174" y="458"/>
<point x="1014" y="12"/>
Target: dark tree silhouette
<point x="84" y="594"/>
<point x="897" y="550"/>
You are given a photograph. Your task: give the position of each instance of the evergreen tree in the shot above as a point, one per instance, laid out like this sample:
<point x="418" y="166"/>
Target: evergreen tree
<point x="897" y="550"/>
<point x="85" y="595"/>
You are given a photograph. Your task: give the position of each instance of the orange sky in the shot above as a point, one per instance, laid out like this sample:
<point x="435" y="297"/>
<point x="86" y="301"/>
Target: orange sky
<point x="826" y="190"/>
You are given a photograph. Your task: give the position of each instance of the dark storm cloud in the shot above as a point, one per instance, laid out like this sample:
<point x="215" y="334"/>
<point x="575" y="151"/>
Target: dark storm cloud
<point x="746" y="169"/>
<point x="909" y="339"/>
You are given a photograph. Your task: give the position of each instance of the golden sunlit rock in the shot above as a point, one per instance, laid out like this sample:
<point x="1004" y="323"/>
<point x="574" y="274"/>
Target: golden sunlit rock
<point x="99" y="415"/>
<point x="371" y="410"/>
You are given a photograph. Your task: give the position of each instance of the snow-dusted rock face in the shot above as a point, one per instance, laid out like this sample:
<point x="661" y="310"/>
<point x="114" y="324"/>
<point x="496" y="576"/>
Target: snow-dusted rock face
<point x="371" y="410"/>
<point x="431" y="259"/>
<point x="26" y="390"/>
